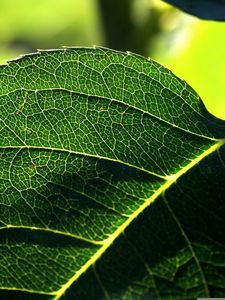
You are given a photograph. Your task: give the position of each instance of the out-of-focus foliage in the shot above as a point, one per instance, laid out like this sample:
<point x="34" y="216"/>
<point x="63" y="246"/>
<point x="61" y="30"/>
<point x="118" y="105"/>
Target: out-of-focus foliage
<point x="193" y="49"/>
<point x="206" y="9"/>
<point x="130" y="24"/>
<point x="26" y="25"/>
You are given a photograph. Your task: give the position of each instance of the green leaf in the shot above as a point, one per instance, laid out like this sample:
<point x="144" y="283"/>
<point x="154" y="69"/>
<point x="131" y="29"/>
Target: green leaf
<point x="205" y="9"/>
<point x="111" y="181"/>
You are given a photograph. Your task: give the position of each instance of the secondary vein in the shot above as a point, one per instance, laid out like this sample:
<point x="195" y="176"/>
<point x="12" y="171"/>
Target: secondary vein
<point x="109" y="241"/>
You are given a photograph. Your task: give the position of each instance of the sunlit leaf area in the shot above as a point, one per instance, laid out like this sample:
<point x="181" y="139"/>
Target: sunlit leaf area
<point x="112" y="168"/>
<point x="193" y="49"/>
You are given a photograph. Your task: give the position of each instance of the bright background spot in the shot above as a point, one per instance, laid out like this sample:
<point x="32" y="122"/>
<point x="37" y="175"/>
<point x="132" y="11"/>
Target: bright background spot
<point x="192" y="49"/>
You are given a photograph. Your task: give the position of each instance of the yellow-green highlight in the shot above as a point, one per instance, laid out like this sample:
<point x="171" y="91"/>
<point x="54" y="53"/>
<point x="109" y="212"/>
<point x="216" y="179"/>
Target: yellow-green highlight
<point x="199" y="58"/>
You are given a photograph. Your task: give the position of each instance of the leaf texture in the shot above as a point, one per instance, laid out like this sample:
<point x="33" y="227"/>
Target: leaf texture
<point x="111" y="180"/>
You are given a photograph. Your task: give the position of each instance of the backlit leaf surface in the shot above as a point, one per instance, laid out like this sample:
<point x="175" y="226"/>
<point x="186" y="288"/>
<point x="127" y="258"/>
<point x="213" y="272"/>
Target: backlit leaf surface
<point x="112" y="181"/>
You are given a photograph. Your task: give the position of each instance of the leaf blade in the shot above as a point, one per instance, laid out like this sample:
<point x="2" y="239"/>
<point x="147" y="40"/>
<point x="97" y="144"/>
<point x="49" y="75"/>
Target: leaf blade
<point x="80" y="163"/>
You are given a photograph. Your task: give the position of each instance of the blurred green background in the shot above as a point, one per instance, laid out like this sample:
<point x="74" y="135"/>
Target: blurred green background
<point x="193" y="49"/>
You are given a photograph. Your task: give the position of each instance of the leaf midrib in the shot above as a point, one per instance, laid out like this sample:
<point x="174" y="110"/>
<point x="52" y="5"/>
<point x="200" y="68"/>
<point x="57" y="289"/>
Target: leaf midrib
<point x="108" y="242"/>
<point x="170" y="180"/>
